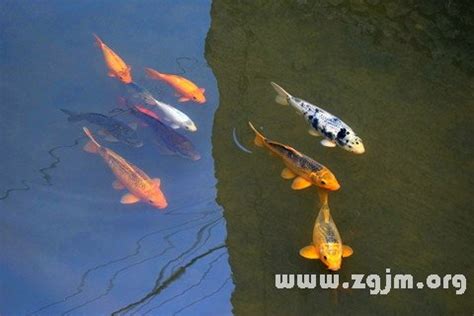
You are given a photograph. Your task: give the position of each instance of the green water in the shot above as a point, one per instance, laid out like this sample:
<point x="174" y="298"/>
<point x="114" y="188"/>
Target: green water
<point x="401" y="74"/>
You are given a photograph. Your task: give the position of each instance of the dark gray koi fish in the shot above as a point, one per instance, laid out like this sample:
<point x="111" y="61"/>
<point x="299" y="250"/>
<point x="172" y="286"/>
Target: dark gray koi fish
<point x="113" y="129"/>
<point x="175" y="142"/>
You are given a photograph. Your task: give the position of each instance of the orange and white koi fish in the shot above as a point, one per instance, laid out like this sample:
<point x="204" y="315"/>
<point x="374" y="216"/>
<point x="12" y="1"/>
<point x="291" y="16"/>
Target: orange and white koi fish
<point x="117" y="67"/>
<point x="327" y="243"/>
<point x="140" y="186"/>
<point x="305" y="170"/>
<point x="184" y="87"/>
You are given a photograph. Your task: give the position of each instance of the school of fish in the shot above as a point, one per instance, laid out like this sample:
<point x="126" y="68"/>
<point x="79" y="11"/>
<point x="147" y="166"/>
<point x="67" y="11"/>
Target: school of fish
<point x="146" y="111"/>
<point x="164" y="119"/>
<point x="326" y="244"/>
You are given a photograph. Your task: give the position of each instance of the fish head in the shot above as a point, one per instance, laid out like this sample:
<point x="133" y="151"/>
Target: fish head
<point x="355" y="145"/>
<point x="198" y="96"/>
<point x="187" y="150"/>
<point x="157" y="199"/>
<point x="331" y="257"/>
<point x="124" y="76"/>
<point x="189" y="126"/>
<point x="326" y="180"/>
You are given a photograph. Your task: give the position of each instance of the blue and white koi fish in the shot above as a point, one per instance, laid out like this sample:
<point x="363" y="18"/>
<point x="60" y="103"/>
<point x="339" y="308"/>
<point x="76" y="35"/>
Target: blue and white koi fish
<point x="323" y="123"/>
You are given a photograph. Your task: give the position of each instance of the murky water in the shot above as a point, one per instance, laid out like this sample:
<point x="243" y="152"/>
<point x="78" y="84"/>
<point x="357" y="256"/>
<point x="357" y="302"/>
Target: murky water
<point x="401" y="74"/>
<point x="68" y="245"/>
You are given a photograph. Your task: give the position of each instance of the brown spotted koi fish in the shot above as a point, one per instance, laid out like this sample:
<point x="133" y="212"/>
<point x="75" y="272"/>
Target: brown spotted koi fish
<point x="304" y="170"/>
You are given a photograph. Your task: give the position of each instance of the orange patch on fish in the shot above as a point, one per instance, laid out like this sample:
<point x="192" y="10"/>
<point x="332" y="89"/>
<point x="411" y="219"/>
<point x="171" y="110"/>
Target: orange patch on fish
<point x="117" y="67"/>
<point x="184" y="87"/>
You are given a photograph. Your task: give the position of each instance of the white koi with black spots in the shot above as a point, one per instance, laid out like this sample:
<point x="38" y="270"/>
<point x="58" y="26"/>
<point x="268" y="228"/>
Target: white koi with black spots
<point x="330" y="127"/>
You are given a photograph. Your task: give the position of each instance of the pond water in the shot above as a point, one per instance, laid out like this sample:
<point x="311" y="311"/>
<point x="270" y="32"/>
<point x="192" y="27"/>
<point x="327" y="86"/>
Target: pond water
<point x="68" y="245"/>
<point x="399" y="72"/>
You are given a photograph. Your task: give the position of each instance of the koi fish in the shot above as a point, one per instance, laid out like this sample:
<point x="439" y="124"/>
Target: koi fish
<point x="113" y="129"/>
<point x="169" y="114"/>
<point x="140" y="186"/>
<point x="327" y="243"/>
<point x="184" y="87"/>
<point x="331" y="128"/>
<point x="174" y="142"/>
<point x="117" y="67"/>
<point x="304" y="170"/>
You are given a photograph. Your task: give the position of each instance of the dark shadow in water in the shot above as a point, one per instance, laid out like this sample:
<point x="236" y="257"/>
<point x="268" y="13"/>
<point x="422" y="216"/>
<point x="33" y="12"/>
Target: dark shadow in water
<point x="400" y="73"/>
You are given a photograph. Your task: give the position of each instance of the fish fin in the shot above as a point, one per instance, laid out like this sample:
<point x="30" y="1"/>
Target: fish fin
<point x="98" y="41"/>
<point x="111" y="74"/>
<point x="347" y="251"/>
<point x="90" y="147"/>
<point x="328" y="143"/>
<point x="323" y="196"/>
<point x="259" y="138"/>
<point x="287" y="174"/>
<point x="133" y="125"/>
<point x="313" y="132"/>
<point x="326" y="213"/>
<point x="202" y="90"/>
<point x="156" y="181"/>
<point x="174" y="126"/>
<point x="152" y="73"/>
<point x="309" y="252"/>
<point x="283" y="96"/>
<point x="117" y="185"/>
<point x="129" y="198"/>
<point x="300" y="183"/>
<point x="89" y="134"/>
<point x="183" y="99"/>
<point x="111" y="138"/>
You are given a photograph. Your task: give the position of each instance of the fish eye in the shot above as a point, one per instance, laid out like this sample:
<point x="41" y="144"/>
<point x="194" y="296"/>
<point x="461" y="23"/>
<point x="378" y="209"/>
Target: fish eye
<point x="325" y="258"/>
<point x="151" y="201"/>
<point x="323" y="182"/>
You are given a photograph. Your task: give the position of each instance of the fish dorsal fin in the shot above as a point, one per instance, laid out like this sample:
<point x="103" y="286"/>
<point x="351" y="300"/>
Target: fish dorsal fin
<point x="202" y="90"/>
<point x="309" y="252"/>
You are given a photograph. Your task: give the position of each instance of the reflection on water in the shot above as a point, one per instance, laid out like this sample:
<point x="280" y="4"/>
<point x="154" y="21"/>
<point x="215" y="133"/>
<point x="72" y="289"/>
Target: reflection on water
<point x="400" y="74"/>
<point x="68" y="245"/>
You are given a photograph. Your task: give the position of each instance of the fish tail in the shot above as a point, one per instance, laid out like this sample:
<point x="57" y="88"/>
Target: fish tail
<point x="152" y="73"/>
<point x="92" y="146"/>
<point x="282" y="96"/>
<point x="259" y="138"/>
<point x="98" y="40"/>
<point x="73" y="116"/>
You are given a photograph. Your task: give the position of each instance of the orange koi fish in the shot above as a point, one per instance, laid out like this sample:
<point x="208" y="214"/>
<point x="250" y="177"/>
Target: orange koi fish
<point x="186" y="88"/>
<point x="117" y="67"/>
<point x="140" y="186"/>
<point x="327" y="244"/>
